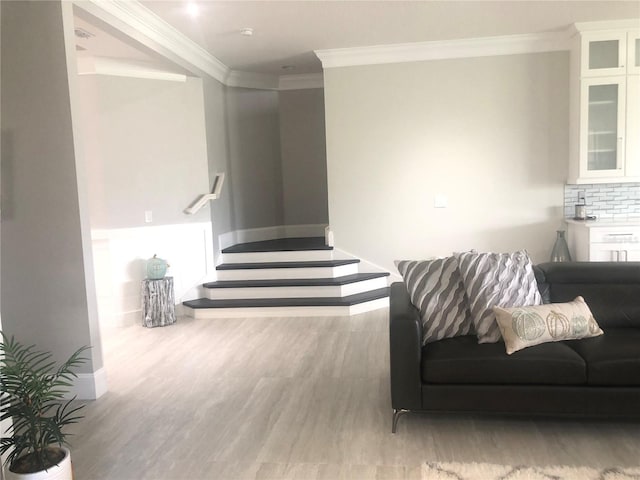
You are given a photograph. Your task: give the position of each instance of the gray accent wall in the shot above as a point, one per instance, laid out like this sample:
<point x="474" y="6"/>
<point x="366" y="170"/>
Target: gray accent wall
<point x="271" y="146"/>
<point x="487" y="135"/>
<point x="46" y="297"/>
<point x="254" y="157"/>
<point x="218" y="157"/>
<point x="304" y="156"/>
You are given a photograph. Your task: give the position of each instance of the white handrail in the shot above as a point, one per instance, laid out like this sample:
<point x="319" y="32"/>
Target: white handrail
<point x="199" y="203"/>
<point x="203" y="199"/>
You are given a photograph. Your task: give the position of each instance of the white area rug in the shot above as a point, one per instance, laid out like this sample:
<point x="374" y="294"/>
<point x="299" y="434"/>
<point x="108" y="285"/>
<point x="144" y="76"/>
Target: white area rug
<point x="487" y="471"/>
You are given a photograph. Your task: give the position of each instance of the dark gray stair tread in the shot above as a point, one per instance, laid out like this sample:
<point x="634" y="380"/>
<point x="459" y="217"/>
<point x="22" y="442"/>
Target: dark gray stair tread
<point x="305" y="264"/>
<point x="297" y="282"/>
<point x="290" y="302"/>
<point x="280" y="245"/>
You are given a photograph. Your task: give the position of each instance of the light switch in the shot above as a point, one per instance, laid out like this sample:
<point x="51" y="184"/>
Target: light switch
<point x="148" y="216"/>
<point x="440" y="201"/>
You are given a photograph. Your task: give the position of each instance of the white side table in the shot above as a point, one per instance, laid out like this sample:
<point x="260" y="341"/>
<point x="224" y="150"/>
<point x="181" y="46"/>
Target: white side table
<point x="158" y="302"/>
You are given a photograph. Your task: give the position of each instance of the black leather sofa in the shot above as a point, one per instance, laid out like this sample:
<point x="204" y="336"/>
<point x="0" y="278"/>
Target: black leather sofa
<point x="597" y="376"/>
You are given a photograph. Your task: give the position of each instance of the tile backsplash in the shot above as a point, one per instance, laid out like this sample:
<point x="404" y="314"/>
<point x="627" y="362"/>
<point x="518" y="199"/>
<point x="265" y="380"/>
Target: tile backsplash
<point x="604" y="200"/>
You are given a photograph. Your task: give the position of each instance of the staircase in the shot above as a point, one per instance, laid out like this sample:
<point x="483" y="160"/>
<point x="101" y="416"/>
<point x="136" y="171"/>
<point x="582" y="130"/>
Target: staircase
<point x="289" y="277"/>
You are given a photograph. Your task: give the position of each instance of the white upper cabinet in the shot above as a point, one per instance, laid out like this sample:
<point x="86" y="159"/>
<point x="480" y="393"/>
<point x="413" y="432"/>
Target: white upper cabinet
<point x="605" y="106"/>
<point x="601" y="135"/>
<point x="603" y="53"/>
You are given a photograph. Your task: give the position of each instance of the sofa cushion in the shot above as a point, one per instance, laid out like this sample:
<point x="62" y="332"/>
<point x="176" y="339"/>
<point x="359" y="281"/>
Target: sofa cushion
<point x="612" y="358"/>
<point x="462" y="360"/>
<point x="496" y="279"/>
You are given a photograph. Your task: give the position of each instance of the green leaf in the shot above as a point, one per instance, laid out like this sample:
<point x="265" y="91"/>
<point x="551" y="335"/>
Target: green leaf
<point x="32" y="389"/>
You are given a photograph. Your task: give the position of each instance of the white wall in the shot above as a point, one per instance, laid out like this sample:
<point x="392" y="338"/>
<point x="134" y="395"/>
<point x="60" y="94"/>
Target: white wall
<point x="121" y="260"/>
<point x="146" y="148"/>
<point x="488" y="133"/>
<point x="304" y="157"/>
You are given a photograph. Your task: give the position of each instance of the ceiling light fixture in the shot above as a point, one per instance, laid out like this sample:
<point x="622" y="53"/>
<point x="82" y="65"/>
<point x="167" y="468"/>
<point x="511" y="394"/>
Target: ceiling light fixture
<point x="247" y="32"/>
<point x="192" y="9"/>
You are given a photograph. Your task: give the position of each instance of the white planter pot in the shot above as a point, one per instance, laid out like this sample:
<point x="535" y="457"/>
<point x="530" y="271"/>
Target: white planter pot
<point x="62" y="471"/>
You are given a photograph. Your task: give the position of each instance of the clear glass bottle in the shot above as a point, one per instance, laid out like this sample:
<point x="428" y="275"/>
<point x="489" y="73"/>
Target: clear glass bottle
<point x="560" y="252"/>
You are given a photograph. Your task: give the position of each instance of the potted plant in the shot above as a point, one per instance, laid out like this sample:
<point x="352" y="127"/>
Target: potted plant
<point x="32" y="390"/>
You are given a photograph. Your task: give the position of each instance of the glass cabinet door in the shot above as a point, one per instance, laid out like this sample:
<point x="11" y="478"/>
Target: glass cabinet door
<point x="603" y="142"/>
<point x="633" y="60"/>
<point x="602" y="146"/>
<point x="604" y="54"/>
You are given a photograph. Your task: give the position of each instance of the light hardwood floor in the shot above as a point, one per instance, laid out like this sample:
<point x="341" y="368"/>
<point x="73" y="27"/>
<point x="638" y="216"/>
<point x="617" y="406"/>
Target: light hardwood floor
<point x="289" y="398"/>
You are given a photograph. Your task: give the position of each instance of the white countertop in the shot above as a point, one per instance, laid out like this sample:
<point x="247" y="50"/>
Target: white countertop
<point x="607" y="222"/>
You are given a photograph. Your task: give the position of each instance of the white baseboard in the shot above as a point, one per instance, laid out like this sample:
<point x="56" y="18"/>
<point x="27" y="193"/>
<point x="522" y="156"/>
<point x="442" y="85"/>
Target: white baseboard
<point x="269" y="233"/>
<point x="122" y="319"/>
<point x="90" y="386"/>
<point x="311" y="230"/>
<point x="132" y="318"/>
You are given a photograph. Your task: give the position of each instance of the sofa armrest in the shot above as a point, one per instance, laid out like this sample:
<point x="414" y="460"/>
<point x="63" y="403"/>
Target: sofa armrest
<point x="405" y="348"/>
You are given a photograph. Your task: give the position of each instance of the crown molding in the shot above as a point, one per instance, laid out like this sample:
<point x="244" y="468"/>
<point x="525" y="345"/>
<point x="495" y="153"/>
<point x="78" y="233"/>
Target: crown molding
<point x="301" y="81"/>
<point x="121" y="68"/>
<point x="262" y="81"/>
<point x="422" y="51"/>
<point x="629" y="23"/>
<point x="142" y="24"/>
<point x="137" y="21"/>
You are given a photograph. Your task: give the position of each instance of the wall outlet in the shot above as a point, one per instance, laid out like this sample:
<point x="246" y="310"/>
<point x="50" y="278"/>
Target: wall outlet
<point x="582" y="197"/>
<point x="148" y="216"/>
<point x="440" y="201"/>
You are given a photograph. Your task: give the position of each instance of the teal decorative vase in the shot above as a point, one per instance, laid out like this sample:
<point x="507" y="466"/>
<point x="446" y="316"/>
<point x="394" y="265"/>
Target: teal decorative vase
<point x="560" y="252"/>
<point x="156" y="268"/>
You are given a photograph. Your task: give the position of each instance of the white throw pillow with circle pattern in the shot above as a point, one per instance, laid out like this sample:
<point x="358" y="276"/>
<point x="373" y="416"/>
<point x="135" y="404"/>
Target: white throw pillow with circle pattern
<point x="523" y="327"/>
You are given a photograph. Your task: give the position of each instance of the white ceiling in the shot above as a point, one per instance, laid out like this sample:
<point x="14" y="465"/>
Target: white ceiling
<point x="287" y="32"/>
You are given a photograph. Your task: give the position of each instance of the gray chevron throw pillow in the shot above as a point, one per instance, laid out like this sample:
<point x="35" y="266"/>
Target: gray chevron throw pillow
<point x="496" y="280"/>
<point x="436" y="289"/>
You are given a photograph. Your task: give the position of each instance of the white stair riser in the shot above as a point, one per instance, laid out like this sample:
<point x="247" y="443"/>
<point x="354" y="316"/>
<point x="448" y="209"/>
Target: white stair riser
<point x="287" y="273"/>
<point x="369" y="306"/>
<point x="297" y="292"/>
<point x="200" y="313"/>
<point x="293" y="256"/>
